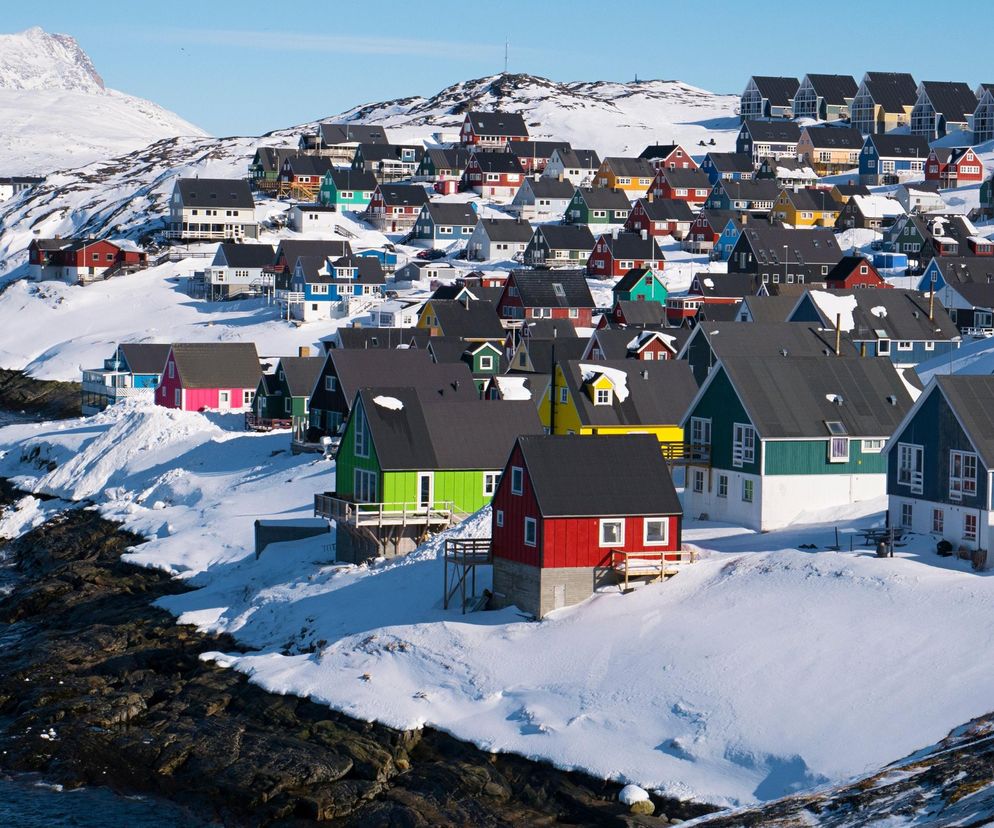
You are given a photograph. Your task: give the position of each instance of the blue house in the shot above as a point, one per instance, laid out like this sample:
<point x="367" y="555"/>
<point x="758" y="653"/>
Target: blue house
<point x="386" y="256"/>
<point x="889" y="159"/>
<point x="732" y="166"/>
<point x="940" y="459"/>
<point x="440" y="224"/>
<point x="902" y="325"/>
<point x="753" y="195"/>
<point x="321" y="288"/>
<point x="726" y="241"/>
<point x="133" y="371"/>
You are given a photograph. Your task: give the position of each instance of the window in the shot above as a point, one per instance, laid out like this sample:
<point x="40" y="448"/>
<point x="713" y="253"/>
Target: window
<point x="490" y="483"/>
<point x="883" y="347"/>
<point x="969" y="527"/>
<point x="249" y="396"/>
<point x="938" y="521"/>
<point x="655" y="531"/>
<point x="365" y="486"/>
<point x="574" y="313"/>
<point x="910" y="463"/>
<point x="172" y="370"/>
<point x="907" y="515"/>
<point x="563" y="396"/>
<point x="698" y="481"/>
<point x="500" y="517"/>
<point x="612" y="532"/>
<point x="602" y="396"/>
<point x="330" y="383"/>
<point x="873" y="446"/>
<point x="531" y="531"/>
<point x="962" y="474"/>
<point x="287" y="404"/>
<point x="486" y="363"/>
<point x="904" y="345"/>
<point x="743" y="445"/>
<point x="361" y="435"/>
<point x="747" y="491"/>
<point x="700" y="431"/>
<point x="517" y="480"/>
<point x="722" y="485"/>
<point x="558" y="290"/>
<point x="838" y="449"/>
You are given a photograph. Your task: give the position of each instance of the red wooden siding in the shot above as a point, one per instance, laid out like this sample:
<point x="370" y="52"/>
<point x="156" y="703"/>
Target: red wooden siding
<point x="509" y="540"/>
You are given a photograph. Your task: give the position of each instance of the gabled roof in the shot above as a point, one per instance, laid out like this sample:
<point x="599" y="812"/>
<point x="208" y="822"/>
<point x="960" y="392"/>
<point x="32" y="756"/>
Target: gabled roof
<point x="813" y="200"/>
<point x="638" y="313"/>
<point x="410" y="195"/>
<point x="497" y="123"/>
<point x="890" y="145"/>
<point x="793" y="397"/>
<point x="567" y="236"/>
<point x="749" y="189"/>
<point x="632" y="278"/>
<point x="772" y="339"/>
<point x="223" y="193"/>
<point x="835" y="89"/>
<point x="773" y="132"/>
<point x="807" y="246"/>
<point x="972" y="400"/>
<point x="893" y="313"/>
<point x="601" y="198"/>
<point x="454" y="348"/>
<point x="845" y="267"/>
<point x="369" y="271"/>
<point x="316" y="165"/>
<point x="833" y="137"/>
<point x="378" y="338"/>
<point x="658" y="392"/>
<point x="964" y="270"/>
<point x="847" y="190"/>
<point x="506" y="230"/>
<point x="953" y="100"/>
<point x="270" y="159"/>
<point x="877" y="206"/>
<point x="293" y="249"/>
<point x="630" y="167"/>
<point x="580" y="159"/>
<point x="454" y="213"/>
<point x="718" y="312"/>
<point x="469" y="319"/>
<point x="301" y="373"/>
<point x="767" y="309"/>
<point x="655" y="152"/>
<point x="217" y="364"/>
<point x="388" y="152"/>
<point x="245" y="255"/>
<point x="496" y="162"/>
<point x="537" y="288"/>
<point x="558" y="329"/>
<point x="777" y="90"/>
<point x="333" y="134"/>
<point x="892" y="91"/>
<point x="740" y="162"/>
<point x="623" y="474"/>
<point x="431" y="434"/>
<point x="717" y="219"/>
<point x="725" y="285"/>
<point x="551" y="187"/>
<point x="448" y="159"/>
<point x="690" y="179"/>
<point x="667" y="209"/>
<point x="357" y="367"/>
<point x="633" y="246"/>
<point x="536" y="149"/>
<point x="349" y="179"/>
<point x="145" y="357"/>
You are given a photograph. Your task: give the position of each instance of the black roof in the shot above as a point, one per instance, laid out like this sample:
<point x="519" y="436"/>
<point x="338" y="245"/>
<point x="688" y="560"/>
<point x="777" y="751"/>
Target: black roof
<point x="377" y="338"/>
<point x="633" y="246"/>
<point x="813" y="199"/>
<point x="725" y="285"/>
<point x="245" y="255"/>
<point x="691" y="179"/>
<point x="631" y="167"/>
<point x="771" y="339"/>
<point x="506" y="230"/>
<point x="660" y="151"/>
<point x="551" y="188"/>
<point x="904" y="314"/>
<point x="369" y="271"/>
<point x="667" y="209"/>
<point x="954" y="100"/>
<point x="271" y="159"/>
<point x="536" y="149"/>
<point x="777" y="90"/>
<point x="467" y="318"/>
<point x="301" y="373"/>
<point x="429" y="433"/>
<point x="217" y="364"/>
<point x="403" y="194"/>
<point x="731" y="161"/>
<point x="619" y="342"/>
<point x="543" y="352"/>
<point x="807" y="246"/>
<point x="965" y="270"/>
<point x="316" y="165"/>
<point x="497" y="123"/>
<point x="602" y="198"/>
<point x="773" y="132"/>
<point x="852" y="189"/>
<point x="581" y="159"/>
<point x="835" y="89"/>
<point x="632" y="278"/>
<point x="749" y="189"/>
<point x="889" y="145"/>
<point x="145" y="357"/>
<point x="448" y="159"/>
<point x="566" y="236"/>
<point x="835" y="137"/>
<point x="766" y="309"/>
<point x="717" y="219"/>
<point x="972" y="400"/>
<point x="349" y="179"/>
<point x="455" y="213"/>
<point x="623" y="475"/>
<point x="794" y="396"/>
<point x="537" y="288"/>
<point x="293" y="249"/>
<point x="718" y="312"/>
<point x="497" y="162"/>
<point x="333" y="134"/>
<point x="215" y="192"/>
<point x="892" y="91"/>
<point x="640" y="313"/>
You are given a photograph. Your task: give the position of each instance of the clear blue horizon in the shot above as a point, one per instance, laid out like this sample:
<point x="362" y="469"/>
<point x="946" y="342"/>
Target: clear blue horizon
<point x="238" y="68"/>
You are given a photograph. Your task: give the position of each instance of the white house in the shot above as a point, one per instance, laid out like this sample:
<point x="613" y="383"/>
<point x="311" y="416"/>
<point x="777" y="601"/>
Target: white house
<point x="498" y="239"/>
<point x="238" y="270"/>
<point x="417" y="270"/>
<point x="313" y="218"/>
<point x="921" y="197"/>
<point x="395" y="313"/>
<point x="542" y="196"/>
<point x="577" y="166"/>
<point x="212" y="209"/>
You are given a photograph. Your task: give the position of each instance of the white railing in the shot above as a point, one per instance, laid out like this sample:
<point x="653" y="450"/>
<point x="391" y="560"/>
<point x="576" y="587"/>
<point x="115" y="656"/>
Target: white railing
<point x="381" y="514"/>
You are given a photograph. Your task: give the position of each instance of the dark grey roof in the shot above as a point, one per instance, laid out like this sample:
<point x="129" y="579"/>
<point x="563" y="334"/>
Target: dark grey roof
<point x="378" y="338"/>
<point x="551" y="188"/>
<point x="657" y="151"/>
<point x="536" y="288"/>
<point x="835" y="137"/>
<point x="567" y="236"/>
<point x="245" y="255"/>
<point x="497" y="162"/>
<point x="658" y="392"/>
<point x="581" y="159"/>
<point x="691" y="179"/>
<point x="217" y="364"/>
<point x="667" y="209"/>
<point x="815" y="200"/>
<point x="301" y="373"/>
<point x="270" y="159"/>
<point x="483" y="294"/>
<point x="633" y="246"/>
<point x="388" y="152"/>
<point x="731" y="161"/>
<point x="497" y="123"/>
<point x="601" y="198"/>
<point x="542" y="352"/>
<point x="358" y="367"/>
<point x="369" y="271"/>
<point x="792" y="397"/>
<point x="506" y="230"/>
<point x="773" y="132"/>
<point x="777" y="90"/>
<point x="293" y="249"/>
<point x="453" y="213"/>
<point x="905" y="315"/>
<point x="536" y="149"/>
<point x="454" y="348"/>
<point x="630" y="279"/>
<point x="771" y="339"/>
<point x="467" y="318"/>
<point x="411" y="195"/>
<point x="717" y="219"/>
<point x="891" y="90"/>
<point x="852" y="189"/>
<point x="749" y="189"/>
<point x="549" y="329"/>
<point x="639" y="313"/>
<point x="808" y="246"/>
<point x="963" y="270"/>
<point x="228" y="193"/>
<point x="890" y="145"/>
<point x="835" y="89"/>
<point x="972" y="400"/>
<point x="427" y="433"/>
<point x="766" y="309"/>
<point x="622" y="474"/>
<point x="448" y="159"/>
<point x="725" y="285"/>
<point x="333" y="134"/>
<point x="349" y="179"/>
<point x="614" y="341"/>
<point x="718" y="312"/>
<point x="315" y="165"/>
<point x="145" y="357"/>
<point x="954" y="100"/>
<point x="631" y="167"/>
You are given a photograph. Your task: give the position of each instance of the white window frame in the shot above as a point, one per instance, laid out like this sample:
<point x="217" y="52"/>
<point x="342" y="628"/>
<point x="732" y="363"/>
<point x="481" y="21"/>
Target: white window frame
<point x="604" y="522"/>
<point x="664" y="522"/>
<point x="913" y="479"/>
<point x="970" y="534"/>
<point x="517" y="480"/>
<point x="365" y="491"/>
<point x="360" y="436"/>
<point x="748" y="485"/>
<point x="938" y="521"/>
<point x="907" y="515"/>
<point x="743" y="444"/>
<point x="486" y="362"/>
<point x="873" y="445"/>
<point x="698" y="483"/>
<point x="531" y="522"/>
<point x="700" y="431"/>
<point x="492" y="478"/>
<point x="721" y="490"/>
<point x="835" y="445"/>
<point x="960" y="482"/>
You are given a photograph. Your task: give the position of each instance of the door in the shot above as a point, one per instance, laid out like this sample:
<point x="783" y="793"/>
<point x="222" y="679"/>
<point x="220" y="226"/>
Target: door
<point x="224" y="400"/>
<point x="559" y="596"/>
<point x="425" y="490"/>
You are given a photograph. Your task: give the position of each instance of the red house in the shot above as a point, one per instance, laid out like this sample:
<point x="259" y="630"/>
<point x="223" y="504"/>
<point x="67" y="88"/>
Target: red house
<point x="661" y="217"/>
<point x="692" y="186"/>
<point x="854" y="272"/>
<point x="668" y="157"/>
<point x="220" y="376"/>
<point x="555" y="542"/>
<point x="495" y="175"/>
<point x="614" y="255"/>
<point x="613" y="342"/>
<point x="954" y="167"/>
<point x="492" y="130"/>
<point x="81" y="261"/>
<point x="547" y="294"/>
<point x="395" y="207"/>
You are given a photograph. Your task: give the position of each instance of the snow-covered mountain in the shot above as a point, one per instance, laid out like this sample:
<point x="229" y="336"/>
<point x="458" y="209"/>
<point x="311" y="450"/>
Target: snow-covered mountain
<point x="57" y="113"/>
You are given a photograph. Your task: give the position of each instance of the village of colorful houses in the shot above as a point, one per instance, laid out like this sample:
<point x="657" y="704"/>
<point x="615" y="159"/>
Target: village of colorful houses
<point x="518" y="329"/>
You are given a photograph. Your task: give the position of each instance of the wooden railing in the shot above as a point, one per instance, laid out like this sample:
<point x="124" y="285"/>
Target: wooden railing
<point x="648" y="563"/>
<point x="381" y="514"/>
<point x="253" y="422"/>
<point x="461" y="557"/>
<point x="679" y="452"/>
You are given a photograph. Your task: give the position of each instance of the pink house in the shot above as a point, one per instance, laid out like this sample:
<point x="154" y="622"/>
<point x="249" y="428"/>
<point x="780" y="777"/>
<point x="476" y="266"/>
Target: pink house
<point x="221" y="376"/>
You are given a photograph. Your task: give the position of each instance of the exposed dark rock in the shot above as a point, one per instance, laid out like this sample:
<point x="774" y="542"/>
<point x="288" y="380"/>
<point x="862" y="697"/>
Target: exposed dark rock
<point x="54" y="400"/>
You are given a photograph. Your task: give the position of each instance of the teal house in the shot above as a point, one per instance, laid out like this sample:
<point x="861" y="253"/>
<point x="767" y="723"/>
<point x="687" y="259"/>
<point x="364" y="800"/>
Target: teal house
<point x="346" y="189"/>
<point x="641" y="284"/>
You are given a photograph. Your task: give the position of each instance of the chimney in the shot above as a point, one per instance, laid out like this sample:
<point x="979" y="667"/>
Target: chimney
<point x="560" y="176"/>
<point x="838" y="334"/>
<point x="304" y="351"/>
<point x="744" y="218"/>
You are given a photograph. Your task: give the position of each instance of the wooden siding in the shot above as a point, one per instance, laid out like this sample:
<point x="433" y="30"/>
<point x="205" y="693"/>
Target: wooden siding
<point x="811" y="457"/>
<point x="721" y="405"/>
<point x="571" y="542"/>
<point x="508" y="541"/>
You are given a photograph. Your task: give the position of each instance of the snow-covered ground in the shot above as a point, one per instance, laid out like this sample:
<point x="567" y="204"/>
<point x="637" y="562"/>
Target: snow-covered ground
<point x="762" y="669"/>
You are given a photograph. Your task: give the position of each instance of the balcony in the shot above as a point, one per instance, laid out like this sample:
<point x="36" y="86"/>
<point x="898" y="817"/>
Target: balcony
<point x="351" y="513"/>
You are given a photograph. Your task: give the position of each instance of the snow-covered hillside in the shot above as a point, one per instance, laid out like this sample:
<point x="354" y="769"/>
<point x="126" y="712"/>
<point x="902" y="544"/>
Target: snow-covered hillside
<point x="57" y="113"/>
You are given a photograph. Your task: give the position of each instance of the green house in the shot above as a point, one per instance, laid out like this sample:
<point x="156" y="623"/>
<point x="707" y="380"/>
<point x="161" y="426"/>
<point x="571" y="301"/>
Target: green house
<point x="485" y="359"/>
<point x="641" y="284"/>
<point x="346" y="189"/>
<point x="780" y="438"/>
<point x="597" y="205"/>
<point x="281" y="398"/>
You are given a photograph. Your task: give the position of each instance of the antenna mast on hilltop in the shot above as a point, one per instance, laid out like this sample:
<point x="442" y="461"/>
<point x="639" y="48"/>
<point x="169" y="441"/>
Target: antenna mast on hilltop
<point x="505" y="57"/>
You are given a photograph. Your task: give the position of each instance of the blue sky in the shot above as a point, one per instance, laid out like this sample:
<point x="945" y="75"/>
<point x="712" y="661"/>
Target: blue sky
<point x="308" y="60"/>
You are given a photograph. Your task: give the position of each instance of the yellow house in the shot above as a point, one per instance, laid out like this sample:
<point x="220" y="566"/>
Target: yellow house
<point x="806" y="207"/>
<point x="631" y="175"/>
<point x="830" y="150"/>
<point x="619" y="396"/>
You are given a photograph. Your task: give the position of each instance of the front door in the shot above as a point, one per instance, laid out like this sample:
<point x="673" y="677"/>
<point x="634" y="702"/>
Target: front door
<point x="424" y="490"/>
<point x="224" y="400"/>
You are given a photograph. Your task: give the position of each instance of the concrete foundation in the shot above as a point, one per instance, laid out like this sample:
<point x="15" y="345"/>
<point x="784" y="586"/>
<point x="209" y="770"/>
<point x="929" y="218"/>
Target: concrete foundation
<point x="539" y="591"/>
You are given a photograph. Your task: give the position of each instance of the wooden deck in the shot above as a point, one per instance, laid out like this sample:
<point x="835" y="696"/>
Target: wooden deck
<point x="340" y="510"/>
<point x="461" y="557"/>
<point x="656" y="566"/>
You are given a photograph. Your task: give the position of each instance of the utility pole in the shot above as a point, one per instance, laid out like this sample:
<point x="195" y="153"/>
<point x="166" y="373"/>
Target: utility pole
<point x="505" y="56"/>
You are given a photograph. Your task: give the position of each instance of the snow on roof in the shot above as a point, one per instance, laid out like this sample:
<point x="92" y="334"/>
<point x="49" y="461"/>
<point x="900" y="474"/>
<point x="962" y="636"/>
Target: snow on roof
<point x="513" y="388"/>
<point x="388" y="402"/>
<point x="619" y="379"/>
<point x="878" y="205"/>
<point x="708" y="282"/>
<point x="833" y="305"/>
<point x="879" y="311"/>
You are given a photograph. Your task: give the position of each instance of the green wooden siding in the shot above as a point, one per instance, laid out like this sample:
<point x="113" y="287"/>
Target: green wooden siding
<point x="655" y="292"/>
<point x="347" y="461"/>
<point x="811" y="457"/>
<point x="721" y="405"/>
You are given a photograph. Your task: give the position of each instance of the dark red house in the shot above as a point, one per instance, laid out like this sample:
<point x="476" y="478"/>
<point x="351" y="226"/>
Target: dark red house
<point x="661" y="217"/>
<point x="554" y="542"/>
<point x="492" y="174"/>
<point x="219" y="376"/>
<point x="954" y="167"/>
<point x="492" y="130"/>
<point x="692" y="186"/>
<point x="547" y="294"/>
<point x="854" y="272"/>
<point x="669" y="157"/>
<point x="82" y="260"/>
<point x="615" y="254"/>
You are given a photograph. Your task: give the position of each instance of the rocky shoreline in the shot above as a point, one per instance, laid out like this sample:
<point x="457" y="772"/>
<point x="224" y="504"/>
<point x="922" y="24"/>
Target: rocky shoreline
<point x="102" y="688"/>
<point x="54" y="400"/>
